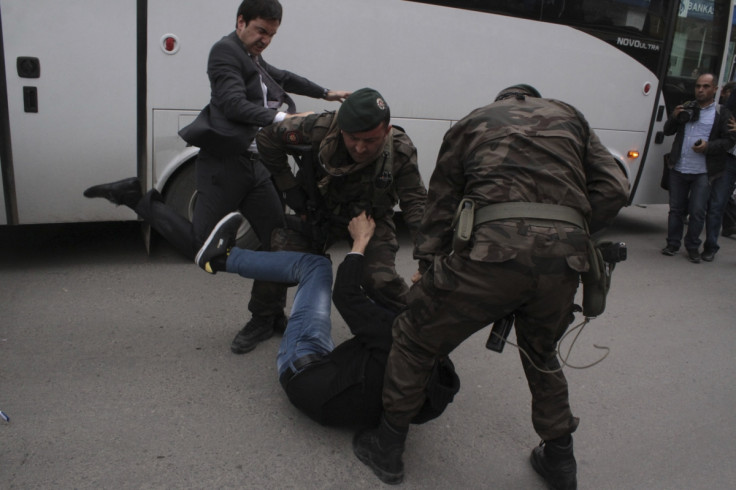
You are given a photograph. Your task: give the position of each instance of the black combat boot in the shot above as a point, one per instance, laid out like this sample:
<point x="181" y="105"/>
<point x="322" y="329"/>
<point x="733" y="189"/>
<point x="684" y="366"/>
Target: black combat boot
<point x="555" y="461"/>
<point x="258" y="329"/>
<point x="381" y="449"/>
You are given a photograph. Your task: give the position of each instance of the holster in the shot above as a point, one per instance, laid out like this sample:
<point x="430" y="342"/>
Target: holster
<point x="596" y="281"/>
<point x="463" y="225"/>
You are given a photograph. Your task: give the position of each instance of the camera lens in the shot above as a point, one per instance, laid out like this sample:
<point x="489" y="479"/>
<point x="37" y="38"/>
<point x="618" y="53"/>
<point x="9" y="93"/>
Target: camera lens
<point x="684" y="116"/>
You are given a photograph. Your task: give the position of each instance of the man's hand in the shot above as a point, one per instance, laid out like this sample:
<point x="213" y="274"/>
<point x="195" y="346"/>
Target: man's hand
<point x="416" y="277"/>
<point x="337" y="95"/>
<point x="732" y="125"/>
<point x="361" y="230"/>
<point x="700" y="146"/>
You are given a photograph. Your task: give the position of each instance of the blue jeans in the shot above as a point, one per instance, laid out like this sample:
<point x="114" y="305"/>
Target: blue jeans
<point x="695" y="190"/>
<point x="308" y="331"/>
<point x="720" y="191"/>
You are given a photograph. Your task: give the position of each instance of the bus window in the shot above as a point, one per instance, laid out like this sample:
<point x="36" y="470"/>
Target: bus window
<point x="636" y="27"/>
<point x="696" y="48"/>
<point x="643" y="16"/>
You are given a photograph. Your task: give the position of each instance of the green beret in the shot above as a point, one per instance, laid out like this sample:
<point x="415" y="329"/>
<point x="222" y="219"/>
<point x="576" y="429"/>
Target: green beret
<point x="362" y="111"/>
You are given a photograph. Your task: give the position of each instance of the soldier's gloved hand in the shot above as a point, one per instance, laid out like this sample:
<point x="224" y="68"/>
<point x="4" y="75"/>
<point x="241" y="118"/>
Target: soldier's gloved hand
<point x="296" y="199"/>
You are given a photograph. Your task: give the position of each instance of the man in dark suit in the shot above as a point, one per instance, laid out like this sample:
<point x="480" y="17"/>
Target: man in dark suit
<point x="246" y="94"/>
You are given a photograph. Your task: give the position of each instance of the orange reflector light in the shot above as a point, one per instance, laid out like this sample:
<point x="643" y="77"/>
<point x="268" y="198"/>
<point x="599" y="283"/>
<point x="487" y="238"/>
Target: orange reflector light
<point x="633" y="154"/>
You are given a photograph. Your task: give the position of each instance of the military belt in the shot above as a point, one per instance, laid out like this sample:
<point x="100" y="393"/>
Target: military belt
<point x="530" y="211"/>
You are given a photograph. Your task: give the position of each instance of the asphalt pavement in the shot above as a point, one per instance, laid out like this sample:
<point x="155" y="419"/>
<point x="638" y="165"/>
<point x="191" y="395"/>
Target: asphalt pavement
<point x="116" y="372"/>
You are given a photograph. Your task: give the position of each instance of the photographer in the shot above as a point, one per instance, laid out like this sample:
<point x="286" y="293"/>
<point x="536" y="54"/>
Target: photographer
<point x="697" y="159"/>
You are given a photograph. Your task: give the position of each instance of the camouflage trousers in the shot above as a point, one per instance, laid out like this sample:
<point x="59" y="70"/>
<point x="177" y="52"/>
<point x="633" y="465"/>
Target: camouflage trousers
<point x="458" y="296"/>
<point x="382" y="282"/>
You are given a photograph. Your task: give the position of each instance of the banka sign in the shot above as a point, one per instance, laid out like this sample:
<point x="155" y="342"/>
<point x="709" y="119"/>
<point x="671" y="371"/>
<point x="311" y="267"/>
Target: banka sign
<point x="701" y="9"/>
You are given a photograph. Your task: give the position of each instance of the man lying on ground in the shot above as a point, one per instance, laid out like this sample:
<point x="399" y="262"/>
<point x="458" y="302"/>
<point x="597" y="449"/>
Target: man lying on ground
<point x="336" y="386"/>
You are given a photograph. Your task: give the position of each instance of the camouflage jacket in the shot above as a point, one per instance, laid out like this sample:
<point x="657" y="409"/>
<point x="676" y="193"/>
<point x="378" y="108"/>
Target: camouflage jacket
<point x="530" y="150"/>
<point x="347" y="188"/>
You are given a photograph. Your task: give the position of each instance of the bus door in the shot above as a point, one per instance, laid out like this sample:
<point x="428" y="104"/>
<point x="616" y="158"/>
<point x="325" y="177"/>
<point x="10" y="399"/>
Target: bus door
<point x="70" y="74"/>
<point x="697" y="47"/>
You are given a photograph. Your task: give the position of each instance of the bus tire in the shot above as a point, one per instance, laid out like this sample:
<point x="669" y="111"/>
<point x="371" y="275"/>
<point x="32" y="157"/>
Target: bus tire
<point x="180" y="194"/>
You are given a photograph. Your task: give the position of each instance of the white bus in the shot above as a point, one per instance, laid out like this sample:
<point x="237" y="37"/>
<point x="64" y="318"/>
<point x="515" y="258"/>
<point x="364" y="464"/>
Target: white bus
<point x="96" y="90"/>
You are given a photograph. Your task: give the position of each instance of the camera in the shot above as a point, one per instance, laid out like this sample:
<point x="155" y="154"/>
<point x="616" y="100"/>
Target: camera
<point x="613" y="253"/>
<point x="690" y="112"/>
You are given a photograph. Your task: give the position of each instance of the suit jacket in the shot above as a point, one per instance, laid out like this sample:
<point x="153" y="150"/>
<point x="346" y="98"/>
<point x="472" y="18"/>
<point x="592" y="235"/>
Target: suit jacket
<point x="228" y="124"/>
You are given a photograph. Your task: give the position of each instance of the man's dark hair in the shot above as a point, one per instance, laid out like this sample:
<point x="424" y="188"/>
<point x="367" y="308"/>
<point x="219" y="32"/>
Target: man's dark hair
<point x="265" y="9"/>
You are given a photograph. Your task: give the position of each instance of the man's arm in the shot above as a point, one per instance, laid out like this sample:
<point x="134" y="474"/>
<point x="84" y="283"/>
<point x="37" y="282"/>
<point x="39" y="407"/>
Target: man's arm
<point x="410" y="188"/>
<point x="724" y="139"/>
<point x="231" y="74"/>
<point x="608" y="187"/>
<point x="273" y="142"/>
<point x="235" y="84"/>
<point x="367" y="320"/>
<point x="296" y="84"/>
<point x="672" y="124"/>
<point x="446" y="189"/>
<point x="361" y="229"/>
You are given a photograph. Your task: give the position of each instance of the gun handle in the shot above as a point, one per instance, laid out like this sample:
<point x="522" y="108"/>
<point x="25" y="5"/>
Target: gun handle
<point x="499" y="333"/>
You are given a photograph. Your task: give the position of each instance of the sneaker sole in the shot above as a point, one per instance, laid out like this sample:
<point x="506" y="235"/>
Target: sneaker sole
<point x="212" y="236"/>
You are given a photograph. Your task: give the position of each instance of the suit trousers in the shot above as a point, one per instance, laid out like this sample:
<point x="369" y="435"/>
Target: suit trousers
<point x="224" y="184"/>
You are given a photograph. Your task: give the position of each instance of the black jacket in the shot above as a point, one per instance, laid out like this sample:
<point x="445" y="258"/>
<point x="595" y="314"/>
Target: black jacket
<point x="719" y="142"/>
<point x="345" y="389"/>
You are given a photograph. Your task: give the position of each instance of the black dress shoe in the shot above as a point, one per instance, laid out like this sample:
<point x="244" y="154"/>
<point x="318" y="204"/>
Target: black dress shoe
<point x="123" y="192"/>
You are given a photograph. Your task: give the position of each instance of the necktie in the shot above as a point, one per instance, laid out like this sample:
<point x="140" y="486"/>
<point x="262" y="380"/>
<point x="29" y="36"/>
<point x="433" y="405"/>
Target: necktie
<point x="274" y="91"/>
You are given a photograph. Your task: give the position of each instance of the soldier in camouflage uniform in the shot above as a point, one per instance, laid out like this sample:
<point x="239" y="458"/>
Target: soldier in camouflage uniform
<point x="520" y="149"/>
<point x="359" y="162"/>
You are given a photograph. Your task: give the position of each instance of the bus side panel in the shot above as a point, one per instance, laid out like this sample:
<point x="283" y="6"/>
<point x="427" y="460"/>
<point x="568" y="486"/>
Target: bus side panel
<point x="3" y="214"/>
<point x="648" y="190"/>
<point x="426" y="134"/>
<point x="178" y="87"/>
<point x="438" y="66"/>
<point x="73" y="125"/>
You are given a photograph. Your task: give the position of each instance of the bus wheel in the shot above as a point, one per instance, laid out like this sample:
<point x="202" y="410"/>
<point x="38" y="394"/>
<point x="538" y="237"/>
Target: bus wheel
<point x="180" y="194"/>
